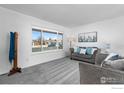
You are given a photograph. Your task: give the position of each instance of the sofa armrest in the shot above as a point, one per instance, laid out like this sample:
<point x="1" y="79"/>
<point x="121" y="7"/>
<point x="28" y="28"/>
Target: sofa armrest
<point x="96" y="52"/>
<point x="71" y="50"/>
<point x="100" y="58"/>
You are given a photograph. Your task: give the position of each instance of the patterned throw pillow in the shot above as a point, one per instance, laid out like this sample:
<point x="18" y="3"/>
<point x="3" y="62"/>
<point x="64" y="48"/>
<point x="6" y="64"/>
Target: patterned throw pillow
<point x="83" y="51"/>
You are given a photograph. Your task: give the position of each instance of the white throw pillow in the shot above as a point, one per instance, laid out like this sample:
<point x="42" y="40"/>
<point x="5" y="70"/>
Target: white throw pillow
<point x="75" y="49"/>
<point x="83" y="51"/>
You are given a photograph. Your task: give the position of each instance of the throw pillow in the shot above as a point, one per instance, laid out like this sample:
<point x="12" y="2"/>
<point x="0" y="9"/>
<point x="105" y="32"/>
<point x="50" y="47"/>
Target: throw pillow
<point x="110" y="56"/>
<point x="116" y="57"/>
<point x="78" y="50"/>
<point x="75" y="49"/>
<point x="88" y="51"/>
<point x="83" y="51"/>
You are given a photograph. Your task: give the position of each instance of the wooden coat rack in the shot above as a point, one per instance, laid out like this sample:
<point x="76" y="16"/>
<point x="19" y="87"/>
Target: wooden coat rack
<point x="15" y="68"/>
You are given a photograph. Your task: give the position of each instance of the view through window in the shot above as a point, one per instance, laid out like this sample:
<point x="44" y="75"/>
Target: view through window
<point x="46" y="40"/>
<point x="36" y="40"/>
<point x="49" y="40"/>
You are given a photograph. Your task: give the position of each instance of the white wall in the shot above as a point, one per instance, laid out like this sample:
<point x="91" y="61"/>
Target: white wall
<point x="109" y="31"/>
<point x="13" y="21"/>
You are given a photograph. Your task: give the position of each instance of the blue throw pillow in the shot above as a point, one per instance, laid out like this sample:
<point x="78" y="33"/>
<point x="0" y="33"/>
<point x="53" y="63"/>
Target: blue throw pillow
<point x="78" y="50"/>
<point x="115" y="57"/>
<point x="88" y="51"/>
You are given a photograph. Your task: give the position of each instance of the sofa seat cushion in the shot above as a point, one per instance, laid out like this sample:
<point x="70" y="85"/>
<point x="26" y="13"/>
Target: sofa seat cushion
<point x="82" y="55"/>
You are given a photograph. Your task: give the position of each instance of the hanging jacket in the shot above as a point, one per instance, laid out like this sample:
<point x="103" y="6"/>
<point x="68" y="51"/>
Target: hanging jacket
<point x="12" y="49"/>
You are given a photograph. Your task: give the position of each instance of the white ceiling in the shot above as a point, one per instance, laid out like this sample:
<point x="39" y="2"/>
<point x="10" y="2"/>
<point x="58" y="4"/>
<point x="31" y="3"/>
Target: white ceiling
<point x="69" y="15"/>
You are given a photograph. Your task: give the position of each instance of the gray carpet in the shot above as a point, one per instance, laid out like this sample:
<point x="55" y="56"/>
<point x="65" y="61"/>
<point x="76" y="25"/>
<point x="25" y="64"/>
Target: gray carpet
<point x="61" y="71"/>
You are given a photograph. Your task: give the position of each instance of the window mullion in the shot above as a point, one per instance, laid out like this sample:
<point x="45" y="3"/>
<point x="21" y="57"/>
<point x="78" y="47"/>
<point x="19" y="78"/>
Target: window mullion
<point x="57" y="41"/>
<point x="41" y="41"/>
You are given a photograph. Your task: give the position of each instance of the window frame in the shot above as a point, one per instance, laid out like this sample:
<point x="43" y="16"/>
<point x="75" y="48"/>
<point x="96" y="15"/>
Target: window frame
<point x="48" y="30"/>
<point x="62" y="39"/>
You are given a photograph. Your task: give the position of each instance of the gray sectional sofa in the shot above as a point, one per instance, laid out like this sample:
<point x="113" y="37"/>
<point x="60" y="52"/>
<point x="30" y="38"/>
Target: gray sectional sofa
<point x="95" y="74"/>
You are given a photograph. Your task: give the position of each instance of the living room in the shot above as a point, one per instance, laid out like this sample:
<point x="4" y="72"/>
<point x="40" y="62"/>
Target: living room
<point x="47" y="32"/>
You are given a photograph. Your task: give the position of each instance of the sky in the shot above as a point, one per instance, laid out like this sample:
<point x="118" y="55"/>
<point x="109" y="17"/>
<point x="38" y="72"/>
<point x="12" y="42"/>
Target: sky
<point x="49" y="35"/>
<point x="36" y="35"/>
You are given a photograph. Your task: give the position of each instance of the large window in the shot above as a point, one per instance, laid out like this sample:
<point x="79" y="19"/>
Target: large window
<point x="46" y="40"/>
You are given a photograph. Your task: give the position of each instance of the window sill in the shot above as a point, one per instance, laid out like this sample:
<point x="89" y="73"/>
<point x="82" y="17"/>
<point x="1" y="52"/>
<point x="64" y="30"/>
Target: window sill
<point x="50" y="51"/>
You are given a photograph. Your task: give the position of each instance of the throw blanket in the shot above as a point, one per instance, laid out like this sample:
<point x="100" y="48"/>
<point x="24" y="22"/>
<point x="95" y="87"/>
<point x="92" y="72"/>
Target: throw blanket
<point x="11" y="51"/>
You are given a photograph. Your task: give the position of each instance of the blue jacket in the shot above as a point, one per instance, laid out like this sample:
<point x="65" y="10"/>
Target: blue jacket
<point x="12" y="49"/>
